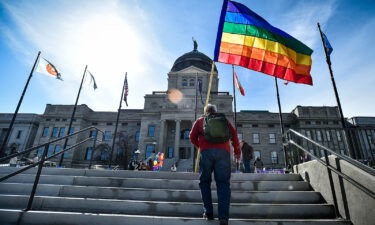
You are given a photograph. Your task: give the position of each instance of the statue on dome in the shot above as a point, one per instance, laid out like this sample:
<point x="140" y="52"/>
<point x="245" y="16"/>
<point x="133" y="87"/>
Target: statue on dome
<point x="195" y="44"/>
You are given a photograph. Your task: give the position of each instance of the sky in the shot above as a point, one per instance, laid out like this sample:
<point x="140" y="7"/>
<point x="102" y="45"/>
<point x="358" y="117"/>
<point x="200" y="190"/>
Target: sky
<point x="145" y="37"/>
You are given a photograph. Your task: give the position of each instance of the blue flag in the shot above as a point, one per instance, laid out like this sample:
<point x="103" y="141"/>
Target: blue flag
<point x="327" y="45"/>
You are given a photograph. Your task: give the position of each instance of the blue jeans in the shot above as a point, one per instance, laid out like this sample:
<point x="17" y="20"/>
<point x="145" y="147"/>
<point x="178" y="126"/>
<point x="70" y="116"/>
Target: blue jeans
<point x="217" y="161"/>
<point x="247" y="165"/>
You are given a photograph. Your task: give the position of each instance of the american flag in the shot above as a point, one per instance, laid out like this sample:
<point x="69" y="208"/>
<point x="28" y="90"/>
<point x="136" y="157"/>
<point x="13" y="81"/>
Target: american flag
<point x="126" y="89"/>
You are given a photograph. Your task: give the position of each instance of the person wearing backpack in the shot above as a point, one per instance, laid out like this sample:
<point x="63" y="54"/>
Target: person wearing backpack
<point x="212" y="134"/>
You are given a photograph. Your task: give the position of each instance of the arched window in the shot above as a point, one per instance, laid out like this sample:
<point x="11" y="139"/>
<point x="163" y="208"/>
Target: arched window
<point x="191" y="82"/>
<point x="104" y="155"/>
<point x="184" y="82"/>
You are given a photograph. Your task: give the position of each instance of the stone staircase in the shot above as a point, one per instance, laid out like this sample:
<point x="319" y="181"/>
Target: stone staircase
<point x="102" y="197"/>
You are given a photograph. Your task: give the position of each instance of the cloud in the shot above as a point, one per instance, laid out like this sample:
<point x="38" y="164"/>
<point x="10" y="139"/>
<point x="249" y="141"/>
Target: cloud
<point x="103" y="36"/>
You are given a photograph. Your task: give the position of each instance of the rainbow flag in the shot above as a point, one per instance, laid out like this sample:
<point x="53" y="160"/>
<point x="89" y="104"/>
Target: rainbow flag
<point x="246" y="39"/>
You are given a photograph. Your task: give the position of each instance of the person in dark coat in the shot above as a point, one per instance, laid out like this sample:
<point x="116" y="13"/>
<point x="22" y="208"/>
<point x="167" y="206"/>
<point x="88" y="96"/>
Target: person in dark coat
<point x="247" y="155"/>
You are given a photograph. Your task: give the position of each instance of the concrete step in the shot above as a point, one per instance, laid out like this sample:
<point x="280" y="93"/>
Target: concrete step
<point x="159" y="208"/>
<point x="12" y="217"/>
<point x="159" y="183"/>
<point x="290" y="197"/>
<point x="149" y="174"/>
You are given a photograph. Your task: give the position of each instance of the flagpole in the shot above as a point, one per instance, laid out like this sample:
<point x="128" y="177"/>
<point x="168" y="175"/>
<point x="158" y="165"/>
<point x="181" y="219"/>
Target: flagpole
<point x="281" y="122"/>
<point x="2" y="150"/>
<point x="72" y="117"/>
<point x="196" y="96"/>
<point x="207" y="101"/>
<point x="234" y="99"/>
<point x="117" y="119"/>
<point x="328" y="59"/>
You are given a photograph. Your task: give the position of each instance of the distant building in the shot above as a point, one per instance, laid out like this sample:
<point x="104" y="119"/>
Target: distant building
<point x="23" y="133"/>
<point x="163" y="125"/>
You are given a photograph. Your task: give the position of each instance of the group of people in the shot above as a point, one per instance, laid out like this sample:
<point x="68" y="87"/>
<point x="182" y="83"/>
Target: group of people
<point x="153" y="163"/>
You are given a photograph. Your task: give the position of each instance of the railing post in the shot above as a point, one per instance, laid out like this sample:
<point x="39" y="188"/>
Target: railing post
<point x="93" y="150"/>
<point x="342" y="189"/>
<point x="37" y="177"/>
<point x="331" y="184"/>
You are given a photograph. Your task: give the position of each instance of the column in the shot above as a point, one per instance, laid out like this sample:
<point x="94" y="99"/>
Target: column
<point x="177" y="140"/>
<point x="161" y="136"/>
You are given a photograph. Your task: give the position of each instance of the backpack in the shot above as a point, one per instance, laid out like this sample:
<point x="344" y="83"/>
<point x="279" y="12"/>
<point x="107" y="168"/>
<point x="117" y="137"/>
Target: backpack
<point x="216" y="128"/>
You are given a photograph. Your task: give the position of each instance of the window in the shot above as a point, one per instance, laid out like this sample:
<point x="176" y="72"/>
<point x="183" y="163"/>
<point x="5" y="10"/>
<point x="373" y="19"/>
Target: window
<point x="338" y="134"/>
<point x="71" y="131"/>
<point x="45" y="132"/>
<point x="149" y="150"/>
<point x="124" y="124"/>
<point x="239" y="125"/>
<point x="272" y="138"/>
<point x="50" y="150"/>
<point x="319" y="135"/>
<point x="138" y="124"/>
<point x="61" y="132"/>
<point x="185" y="134"/>
<point x="274" y="158"/>
<point x="184" y="82"/>
<point x="307" y="122"/>
<point x="107" y="135"/>
<point x="54" y="132"/>
<point x="19" y="134"/>
<point x="342" y="151"/>
<point x="119" y="153"/>
<point x="308" y="134"/>
<point x="170" y="152"/>
<point x="40" y="151"/>
<point x="184" y="152"/>
<point x="336" y="122"/>
<point x="240" y="136"/>
<point x="64" y="120"/>
<point x="271" y="125"/>
<point x="57" y="119"/>
<point x="88" y="154"/>
<point x="325" y="122"/>
<point x="57" y="148"/>
<point x="255" y="125"/>
<point x="256" y="154"/>
<point x="137" y="135"/>
<point x="317" y="122"/>
<point x="93" y="133"/>
<point x="104" y="155"/>
<point x="94" y="124"/>
<point x="109" y="124"/>
<point x="48" y="119"/>
<point x="191" y="82"/>
<point x="321" y="153"/>
<point x="66" y="154"/>
<point x="328" y="134"/>
<point x="151" y="131"/>
<point x="256" y="138"/>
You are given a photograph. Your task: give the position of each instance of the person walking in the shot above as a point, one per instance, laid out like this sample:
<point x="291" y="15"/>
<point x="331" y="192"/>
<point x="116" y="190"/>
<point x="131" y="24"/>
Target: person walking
<point x="258" y="164"/>
<point x="247" y="155"/>
<point x="212" y="134"/>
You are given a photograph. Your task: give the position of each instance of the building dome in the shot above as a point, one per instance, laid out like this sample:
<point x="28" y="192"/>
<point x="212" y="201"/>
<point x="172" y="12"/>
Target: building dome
<point x="193" y="58"/>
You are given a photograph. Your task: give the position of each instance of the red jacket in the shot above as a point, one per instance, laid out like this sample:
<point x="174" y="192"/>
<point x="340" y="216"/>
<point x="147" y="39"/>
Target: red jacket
<point x="197" y="138"/>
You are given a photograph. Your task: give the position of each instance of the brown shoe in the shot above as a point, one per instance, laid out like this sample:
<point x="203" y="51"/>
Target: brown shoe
<point x="223" y="222"/>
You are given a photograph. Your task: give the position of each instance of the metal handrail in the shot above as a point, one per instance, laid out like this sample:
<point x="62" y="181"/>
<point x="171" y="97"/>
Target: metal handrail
<point x="344" y="157"/>
<point x="44" y="158"/>
<point x="335" y="170"/>
<point x="50" y="142"/>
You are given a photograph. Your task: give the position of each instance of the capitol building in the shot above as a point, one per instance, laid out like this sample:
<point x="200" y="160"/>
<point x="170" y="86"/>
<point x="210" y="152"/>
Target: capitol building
<point x="163" y="125"/>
